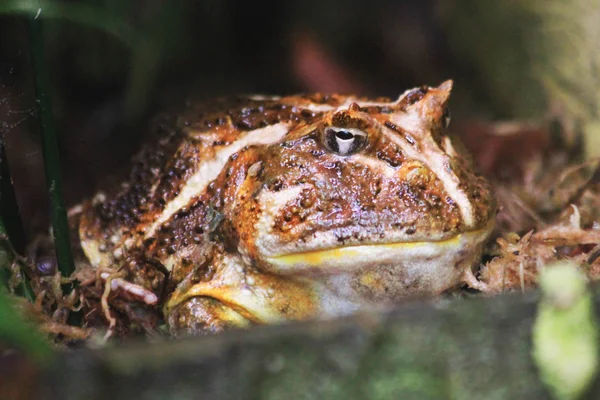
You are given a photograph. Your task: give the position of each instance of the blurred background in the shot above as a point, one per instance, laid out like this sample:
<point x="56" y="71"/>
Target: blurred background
<point x="113" y="63"/>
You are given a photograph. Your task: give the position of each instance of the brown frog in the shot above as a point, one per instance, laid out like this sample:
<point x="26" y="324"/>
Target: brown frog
<point x="270" y="209"/>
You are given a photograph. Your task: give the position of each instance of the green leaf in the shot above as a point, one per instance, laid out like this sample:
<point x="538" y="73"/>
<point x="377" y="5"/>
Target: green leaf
<point x="565" y="333"/>
<point x="16" y="332"/>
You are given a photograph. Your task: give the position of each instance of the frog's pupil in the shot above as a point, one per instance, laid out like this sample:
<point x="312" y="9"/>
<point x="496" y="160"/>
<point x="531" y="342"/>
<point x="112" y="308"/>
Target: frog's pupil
<point x="344" y="135"/>
<point x="343" y="141"/>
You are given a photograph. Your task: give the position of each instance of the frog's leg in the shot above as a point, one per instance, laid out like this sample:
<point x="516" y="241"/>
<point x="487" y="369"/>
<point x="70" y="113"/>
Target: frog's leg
<point x="203" y="314"/>
<point x="237" y="296"/>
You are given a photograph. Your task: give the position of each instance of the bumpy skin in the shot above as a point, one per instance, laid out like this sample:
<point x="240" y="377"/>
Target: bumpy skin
<point x="265" y="210"/>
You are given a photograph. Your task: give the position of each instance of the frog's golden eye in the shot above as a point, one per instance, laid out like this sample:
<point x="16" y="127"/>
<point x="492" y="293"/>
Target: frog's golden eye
<point x="344" y="141"/>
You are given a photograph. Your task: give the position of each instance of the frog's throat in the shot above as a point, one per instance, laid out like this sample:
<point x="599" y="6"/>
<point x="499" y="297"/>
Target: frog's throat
<point x="381" y="253"/>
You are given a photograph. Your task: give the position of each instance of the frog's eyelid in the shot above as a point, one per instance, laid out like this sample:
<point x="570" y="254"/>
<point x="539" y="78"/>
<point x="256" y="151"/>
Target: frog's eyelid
<point x="354" y="131"/>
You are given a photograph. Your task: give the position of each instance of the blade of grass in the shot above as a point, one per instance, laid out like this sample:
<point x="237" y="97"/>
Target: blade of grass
<point x="60" y="228"/>
<point x="9" y="209"/>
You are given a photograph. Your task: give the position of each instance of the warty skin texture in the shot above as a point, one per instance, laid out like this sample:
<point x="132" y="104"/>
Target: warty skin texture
<point x="276" y="209"/>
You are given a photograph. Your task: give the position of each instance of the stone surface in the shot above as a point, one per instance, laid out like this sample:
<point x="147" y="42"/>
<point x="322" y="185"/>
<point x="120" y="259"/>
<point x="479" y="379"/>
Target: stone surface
<point x="461" y="349"/>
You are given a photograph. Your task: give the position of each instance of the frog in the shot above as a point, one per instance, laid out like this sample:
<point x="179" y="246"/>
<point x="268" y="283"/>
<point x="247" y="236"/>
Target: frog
<point x="260" y="210"/>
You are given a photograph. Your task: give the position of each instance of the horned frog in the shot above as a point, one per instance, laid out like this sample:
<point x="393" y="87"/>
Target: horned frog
<point x="262" y="210"/>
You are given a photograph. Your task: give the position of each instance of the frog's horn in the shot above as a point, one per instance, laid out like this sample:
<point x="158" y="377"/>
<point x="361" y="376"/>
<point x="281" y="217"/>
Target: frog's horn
<point x="446" y="86"/>
<point x="439" y="95"/>
<point x="433" y="105"/>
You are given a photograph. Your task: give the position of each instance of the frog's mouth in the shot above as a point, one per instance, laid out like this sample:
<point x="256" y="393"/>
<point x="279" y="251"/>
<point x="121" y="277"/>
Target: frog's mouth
<point x="360" y="256"/>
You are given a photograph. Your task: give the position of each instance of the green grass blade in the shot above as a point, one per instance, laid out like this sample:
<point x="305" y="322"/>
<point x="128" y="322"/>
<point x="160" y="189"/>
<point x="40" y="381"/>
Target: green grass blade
<point x="9" y="209"/>
<point x="13" y="234"/>
<point x="60" y="226"/>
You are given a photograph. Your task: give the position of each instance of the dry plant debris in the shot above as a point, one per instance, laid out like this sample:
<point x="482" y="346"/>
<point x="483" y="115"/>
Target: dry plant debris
<point x="549" y="208"/>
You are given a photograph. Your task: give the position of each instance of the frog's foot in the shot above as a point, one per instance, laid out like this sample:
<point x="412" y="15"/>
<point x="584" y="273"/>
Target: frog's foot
<point x="204" y="315"/>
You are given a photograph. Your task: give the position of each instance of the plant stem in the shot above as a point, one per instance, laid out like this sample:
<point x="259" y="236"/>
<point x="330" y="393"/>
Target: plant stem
<point x="13" y="230"/>
<point x="60" y="228"/>
<point x="9" y="210"/>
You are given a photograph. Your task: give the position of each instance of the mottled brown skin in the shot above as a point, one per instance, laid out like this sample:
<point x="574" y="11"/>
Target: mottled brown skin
<point x="379" y="194"/>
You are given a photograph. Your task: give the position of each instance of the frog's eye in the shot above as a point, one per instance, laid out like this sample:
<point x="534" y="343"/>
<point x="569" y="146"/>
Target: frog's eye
<point x="345" y="141"/>
<point x="446" y="117"/>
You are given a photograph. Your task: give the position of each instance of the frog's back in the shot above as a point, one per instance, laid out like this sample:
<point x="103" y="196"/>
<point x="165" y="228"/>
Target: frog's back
<point x="178" y="146"/>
